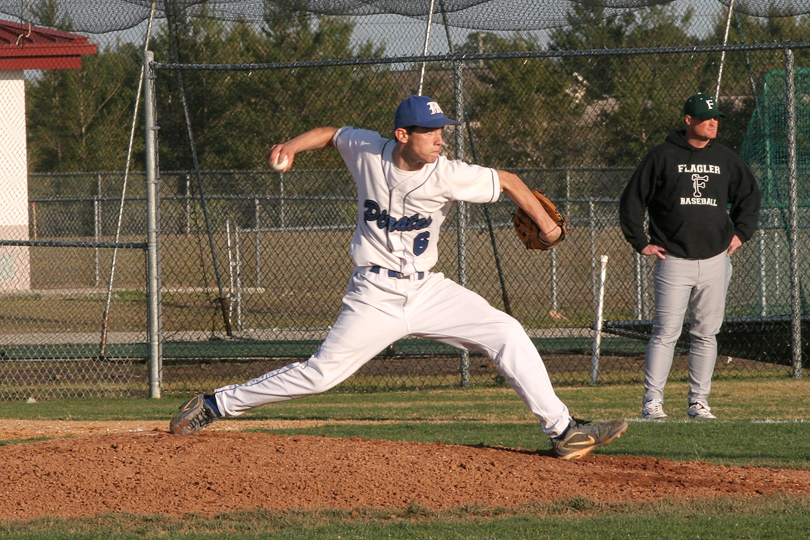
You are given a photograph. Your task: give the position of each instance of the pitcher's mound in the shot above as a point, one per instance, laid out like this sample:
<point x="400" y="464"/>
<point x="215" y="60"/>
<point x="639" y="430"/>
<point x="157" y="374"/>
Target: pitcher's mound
<point x="154" y="472"/>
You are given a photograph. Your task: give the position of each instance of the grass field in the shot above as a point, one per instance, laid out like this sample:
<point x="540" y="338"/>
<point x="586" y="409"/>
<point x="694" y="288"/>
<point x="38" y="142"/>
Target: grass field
<point x="763" y="423"/>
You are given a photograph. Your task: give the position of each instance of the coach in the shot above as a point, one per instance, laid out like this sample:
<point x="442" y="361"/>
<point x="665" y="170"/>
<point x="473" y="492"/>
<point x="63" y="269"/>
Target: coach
<point x="703" y="203"/>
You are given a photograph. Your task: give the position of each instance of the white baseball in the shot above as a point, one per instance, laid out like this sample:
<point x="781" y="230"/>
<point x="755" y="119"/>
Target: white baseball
<point x="276" y="166"/>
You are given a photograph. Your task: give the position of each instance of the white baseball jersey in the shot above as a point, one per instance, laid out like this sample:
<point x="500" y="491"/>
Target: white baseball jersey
<point x="401" y="212"/>
<point x="399" y="217"/>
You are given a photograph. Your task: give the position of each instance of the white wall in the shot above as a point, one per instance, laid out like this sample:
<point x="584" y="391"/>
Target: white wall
<point x="14" y="261"/>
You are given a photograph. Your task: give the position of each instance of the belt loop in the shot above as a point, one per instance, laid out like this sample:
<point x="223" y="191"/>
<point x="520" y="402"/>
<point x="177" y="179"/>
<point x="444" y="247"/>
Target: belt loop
<point x="397" y="275"/>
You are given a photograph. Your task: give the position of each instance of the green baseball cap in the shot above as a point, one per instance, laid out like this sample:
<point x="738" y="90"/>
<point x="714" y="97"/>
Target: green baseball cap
<point x="701" y="106"/>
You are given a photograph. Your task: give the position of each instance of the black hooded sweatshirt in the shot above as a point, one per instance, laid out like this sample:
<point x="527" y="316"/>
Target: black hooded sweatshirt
<point x="697" y="199"/>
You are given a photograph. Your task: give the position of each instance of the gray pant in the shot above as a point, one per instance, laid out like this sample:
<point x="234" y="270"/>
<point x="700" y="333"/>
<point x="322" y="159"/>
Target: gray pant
<point x="700" y="286"/>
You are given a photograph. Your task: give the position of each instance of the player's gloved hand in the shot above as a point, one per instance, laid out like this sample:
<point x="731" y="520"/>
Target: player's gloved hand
<point x="528" y="231"/>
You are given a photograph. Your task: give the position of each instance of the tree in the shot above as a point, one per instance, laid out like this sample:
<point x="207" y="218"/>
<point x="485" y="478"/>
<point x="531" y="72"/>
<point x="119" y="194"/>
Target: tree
<point x="743" y="72"/>
<point x="602" y="110"/>
<point x="237" y="115"/>
<point x="590" y="27"/>
<point x="630" y="101"/>
<point x="521" y="109"/>
<point x="649" y="90"/>
<point x="80" y="120"/>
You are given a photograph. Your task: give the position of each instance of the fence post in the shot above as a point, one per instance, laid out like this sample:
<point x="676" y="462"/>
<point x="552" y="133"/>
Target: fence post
<point x="555" y="304"/>
<point x="97" y="229"/>
<point x="462" y="214"/>
<point x="152" y="236"/>
<point x="281" y="216"/>
<point x="592" y="228"/>
<point x="638" y="309"/>
<point x="597" y="326"/>
<point x="188" y="204"/>
<point x="793" y="229"/>
<point x="256" y="236"/>
<point x="238" y="270"/>
<point x="231" y="264"/>
<point x="763" y="276"/>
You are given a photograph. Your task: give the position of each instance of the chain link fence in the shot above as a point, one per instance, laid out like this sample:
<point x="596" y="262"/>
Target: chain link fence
<point x="253" y="263"/>
<point x="285" y="238"/>
<point x="68" y="328"/>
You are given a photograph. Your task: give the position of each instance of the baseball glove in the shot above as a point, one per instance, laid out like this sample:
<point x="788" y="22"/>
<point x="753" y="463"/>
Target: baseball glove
<point x="528" y="231"/>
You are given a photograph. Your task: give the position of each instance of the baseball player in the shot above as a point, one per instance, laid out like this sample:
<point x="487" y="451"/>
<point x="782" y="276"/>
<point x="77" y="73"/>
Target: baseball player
<point x="686" y="185"/>
<point x="405" y="190"/>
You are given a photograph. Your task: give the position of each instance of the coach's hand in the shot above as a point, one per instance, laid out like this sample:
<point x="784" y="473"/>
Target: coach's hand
<point x="652" y="249"/>
<point x="735" y="243"/>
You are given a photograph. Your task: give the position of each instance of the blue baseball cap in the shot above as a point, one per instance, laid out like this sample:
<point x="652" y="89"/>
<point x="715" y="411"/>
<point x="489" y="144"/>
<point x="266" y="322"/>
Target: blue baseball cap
<point x="420" y="111"/>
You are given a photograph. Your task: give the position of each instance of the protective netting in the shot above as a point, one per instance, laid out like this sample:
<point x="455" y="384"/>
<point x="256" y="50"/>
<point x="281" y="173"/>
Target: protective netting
<point x="772" y="146"/>
<point x="766" y="142"/>
<point x="101" y="16"/>
<point x="572" y="123"/>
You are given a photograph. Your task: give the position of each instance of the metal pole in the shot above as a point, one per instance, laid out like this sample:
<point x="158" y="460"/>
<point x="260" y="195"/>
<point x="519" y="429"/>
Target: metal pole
<point x="282" y="218"/>
<point x="777" y="266"/>
<point x="427" y="43"/>
<point x="592" y="227"/>
<point x="105" y="319"/>
<point x="230" y="267"/>
<point x="223" y="302"/>
<point x="554" y="264"/>
<point x="723" y="54"/>
<point x="238" y="269"/>
<point x="567" y="191"/>
<point x="638" y="310"/>
<point x="97" y="231"/>
<point x="462" y="215"/>
<point x="747" y="61"/>
<point x="152" y="236"/>
<point x="597" y="327"/>
<point x="763" y="276"/>
<point x="554" y="288"/>
<point x="793" y="230"/>
<point x="188" y="204"/>
<point x="258" y="244"/>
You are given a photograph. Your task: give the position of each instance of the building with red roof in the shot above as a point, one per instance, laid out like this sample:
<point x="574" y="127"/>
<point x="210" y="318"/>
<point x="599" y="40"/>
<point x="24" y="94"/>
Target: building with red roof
<point x="24" y="47"/>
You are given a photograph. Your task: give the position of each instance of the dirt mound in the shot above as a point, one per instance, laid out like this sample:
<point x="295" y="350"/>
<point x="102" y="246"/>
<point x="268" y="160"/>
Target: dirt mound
<point x="139" y="468"/>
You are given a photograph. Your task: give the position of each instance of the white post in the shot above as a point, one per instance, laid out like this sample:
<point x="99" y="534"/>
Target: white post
<point x="256" y="237"/>
<point x="231" y="288"/>
<point x="597" y="327"/>
<point x="723" y="54"/>
<point x="97" y="230"/>
<point x="427" y="43"/>
<point x="238" y="268"/>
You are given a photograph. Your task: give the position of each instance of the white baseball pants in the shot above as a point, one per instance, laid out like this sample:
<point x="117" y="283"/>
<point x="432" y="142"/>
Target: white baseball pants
<point x="377" y="311"/>
<point x="699" y="286"/>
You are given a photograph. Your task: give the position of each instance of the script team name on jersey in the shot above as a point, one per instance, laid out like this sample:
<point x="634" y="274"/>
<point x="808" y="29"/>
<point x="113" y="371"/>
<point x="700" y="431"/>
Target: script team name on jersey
<point x="408" y="223"/>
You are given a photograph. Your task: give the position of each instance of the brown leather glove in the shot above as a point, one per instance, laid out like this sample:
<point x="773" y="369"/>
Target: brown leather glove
<point x="528" y="231"/>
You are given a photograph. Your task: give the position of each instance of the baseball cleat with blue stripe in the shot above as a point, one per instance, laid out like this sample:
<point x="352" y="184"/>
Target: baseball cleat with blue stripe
<point x="194" y="415"/>
<point x="581" y="438"/>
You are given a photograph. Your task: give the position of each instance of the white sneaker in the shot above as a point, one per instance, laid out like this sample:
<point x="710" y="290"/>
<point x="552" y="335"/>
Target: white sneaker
<point x="699" y="410"/>
<point x="653" y="410"/>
